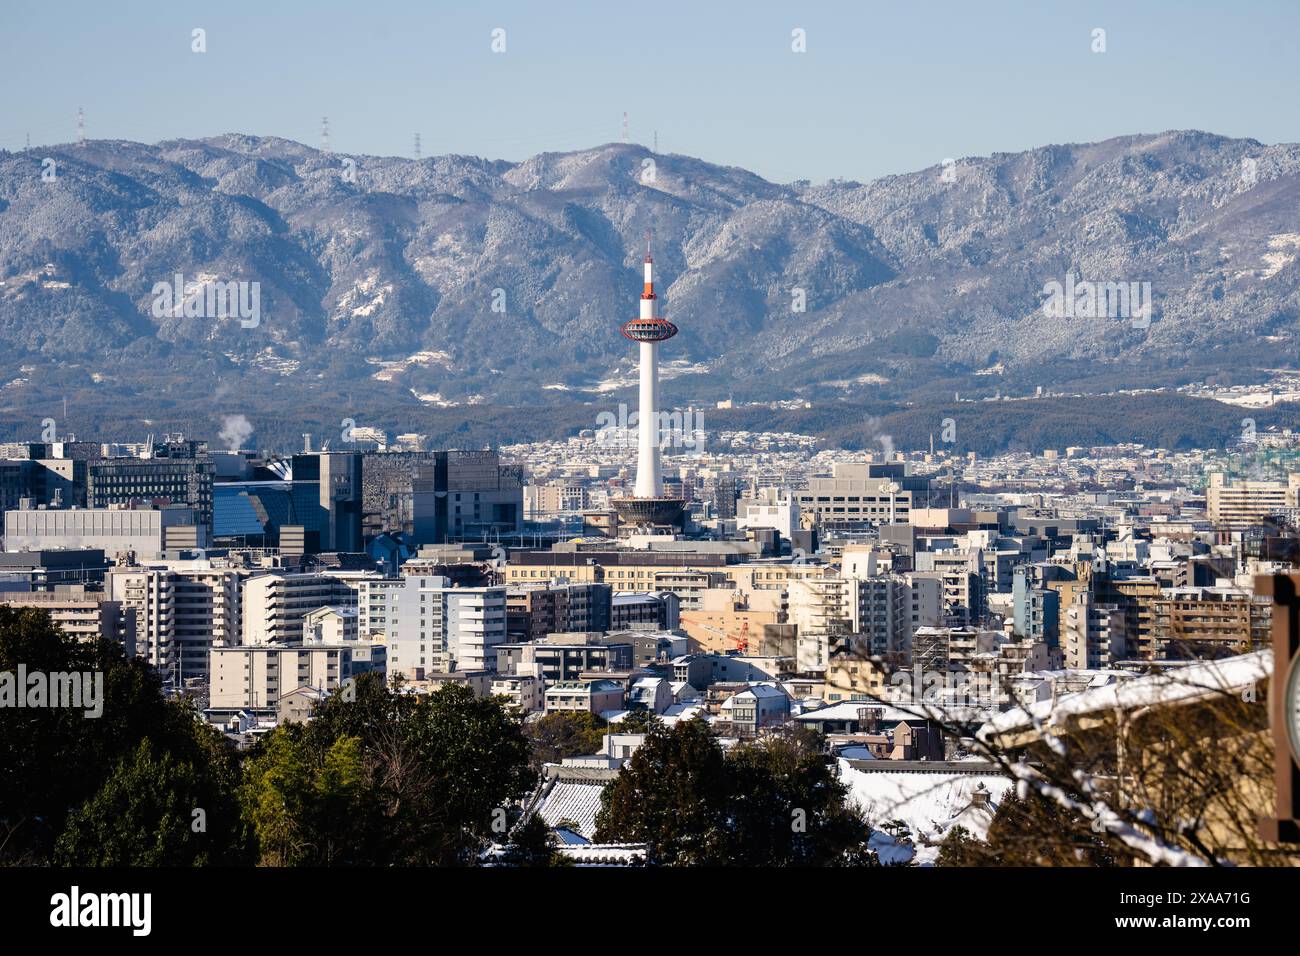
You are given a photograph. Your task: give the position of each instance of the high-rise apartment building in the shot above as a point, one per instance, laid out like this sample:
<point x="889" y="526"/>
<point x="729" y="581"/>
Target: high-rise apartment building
<point x="274" y="605"/>
<point x="430" y="626"/>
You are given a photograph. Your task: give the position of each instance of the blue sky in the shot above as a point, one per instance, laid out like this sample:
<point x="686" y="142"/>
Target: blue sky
<point x="882" y="88"/>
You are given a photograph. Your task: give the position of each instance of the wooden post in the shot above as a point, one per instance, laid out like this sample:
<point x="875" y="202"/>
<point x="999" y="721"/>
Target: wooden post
<point x="1284" y="825"/>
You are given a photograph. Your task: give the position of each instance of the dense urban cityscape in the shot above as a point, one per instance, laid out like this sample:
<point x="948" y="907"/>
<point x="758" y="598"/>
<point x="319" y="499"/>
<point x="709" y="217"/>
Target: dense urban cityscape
<point x="905" y="605"/>
<point x="852" y="449"/>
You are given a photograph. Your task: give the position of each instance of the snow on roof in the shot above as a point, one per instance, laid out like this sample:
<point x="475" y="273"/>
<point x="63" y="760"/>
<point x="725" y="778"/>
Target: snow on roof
<point x="677" y="712"/>
<point x="849" y="710"/>
<point x="889" y="852"/>
<point x="1174" y="686"/>
<point x="604" y="854"/>
<point x="686" y="708"/>
<point x="576" y="802"/>
<point x="929" y="803"/>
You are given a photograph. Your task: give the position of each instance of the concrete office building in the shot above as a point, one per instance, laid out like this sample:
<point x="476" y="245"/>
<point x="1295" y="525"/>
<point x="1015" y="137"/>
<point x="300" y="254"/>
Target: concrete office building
<point x="555" y="498"/>
<point x="861" y="492"/>
<point x="660" y="612"/>
<point x="686" y="574"/>
<point x="20" y="480"/>
<point x="441" y="496"/>
<point x="564" y="657"/>
<point x="178" y="480"/>
<point x="49" y="567"/>
<point x="533" y="611"/>
<point x="146" y="532"/>
<point x="1236" y="505"/>
<point x="337" y="477"/>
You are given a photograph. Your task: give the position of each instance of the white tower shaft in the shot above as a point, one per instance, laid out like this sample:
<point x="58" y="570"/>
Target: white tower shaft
<point x="649" y="481"/>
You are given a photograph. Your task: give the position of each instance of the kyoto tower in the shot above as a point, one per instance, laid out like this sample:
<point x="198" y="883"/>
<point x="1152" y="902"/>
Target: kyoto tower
<point x="648" y="506"/>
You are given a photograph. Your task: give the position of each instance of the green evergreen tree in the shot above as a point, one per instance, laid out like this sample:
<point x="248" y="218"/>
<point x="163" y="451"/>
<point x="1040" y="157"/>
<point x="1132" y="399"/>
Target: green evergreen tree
<point x="149" y="812"/>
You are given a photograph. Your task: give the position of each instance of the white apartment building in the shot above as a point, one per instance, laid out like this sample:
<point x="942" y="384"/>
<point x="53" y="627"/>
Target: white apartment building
<point x="432" y="627"/>
<point x="180" y="612"/>
<point x="330" y="625"/>
<point x="151" y="594"/>
<point x="276" y="604"/>
<point x="888" y="609"/>
<point x="525" y="691"/>
<point x="963" y="582"/>
<point x="772" y="508"/>
<point x="1239" y="504"/>
<point x="207" y="607"/>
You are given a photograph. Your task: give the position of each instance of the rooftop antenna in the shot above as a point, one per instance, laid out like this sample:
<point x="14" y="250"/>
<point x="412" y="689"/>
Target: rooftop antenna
<point x="325" y="133"/>
<point x="625" y="126"/>
<point x="417" y="145"/>
<point x="81" y="125"/>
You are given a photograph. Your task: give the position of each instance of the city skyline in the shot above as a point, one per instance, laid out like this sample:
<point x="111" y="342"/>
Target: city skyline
<point x="931" y="519"/>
